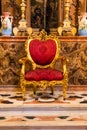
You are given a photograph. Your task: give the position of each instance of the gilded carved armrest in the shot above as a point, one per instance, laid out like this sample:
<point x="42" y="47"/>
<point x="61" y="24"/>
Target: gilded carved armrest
<point x="23" y="61"/>
<point x="64" y="61"/>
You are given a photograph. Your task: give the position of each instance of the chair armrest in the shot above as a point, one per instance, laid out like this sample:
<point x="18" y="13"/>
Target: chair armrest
<point x="26" y="64"/>
<point x="23" y="62"/>
<point x="64" y="61"/>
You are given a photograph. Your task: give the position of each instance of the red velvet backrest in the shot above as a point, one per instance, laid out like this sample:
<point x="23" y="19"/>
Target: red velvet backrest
<point x="42" y="52"/>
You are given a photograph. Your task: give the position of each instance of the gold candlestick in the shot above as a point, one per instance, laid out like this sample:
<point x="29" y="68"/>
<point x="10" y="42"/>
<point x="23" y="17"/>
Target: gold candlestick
<point x="67" y="9"/>
<point x="22" y="29"/>
<point x="22" y="23"/>
<point x="67" y="28"/>
<point x="23" y="9"/>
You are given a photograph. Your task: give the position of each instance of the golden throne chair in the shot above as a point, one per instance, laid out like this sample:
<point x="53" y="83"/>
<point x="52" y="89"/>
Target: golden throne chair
<point x="42" y="52"/>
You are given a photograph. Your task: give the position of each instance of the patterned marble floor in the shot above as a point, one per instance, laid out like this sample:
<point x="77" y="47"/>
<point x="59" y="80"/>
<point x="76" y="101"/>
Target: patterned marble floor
<point x="17" y="114"/>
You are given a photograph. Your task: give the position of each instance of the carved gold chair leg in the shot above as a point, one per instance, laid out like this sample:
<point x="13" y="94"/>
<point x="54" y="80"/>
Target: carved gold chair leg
<point x="64" y="91"/>
<point x="34" y="90"/>
<point x="23" y="92"/>
<point x="52" y="90"/>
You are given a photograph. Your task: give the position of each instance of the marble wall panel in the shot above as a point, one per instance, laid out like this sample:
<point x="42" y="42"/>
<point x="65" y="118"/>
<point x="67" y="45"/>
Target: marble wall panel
<point x="11" y="50"/>
<point x="9" y="65"/>
<point x="77" y="65"/>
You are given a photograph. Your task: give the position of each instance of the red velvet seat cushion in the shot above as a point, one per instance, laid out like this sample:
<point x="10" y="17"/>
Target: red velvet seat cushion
<point x="44" y="74"/>
<point x="42" y="52"/>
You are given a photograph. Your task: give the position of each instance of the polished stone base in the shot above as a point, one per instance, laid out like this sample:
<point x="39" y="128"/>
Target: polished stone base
<point x="69" y="114"/>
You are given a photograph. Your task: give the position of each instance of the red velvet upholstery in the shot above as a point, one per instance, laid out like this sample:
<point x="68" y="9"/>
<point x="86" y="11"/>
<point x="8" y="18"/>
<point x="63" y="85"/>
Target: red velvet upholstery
<point x="42" y="52"/>
<point x="44" y="74"/>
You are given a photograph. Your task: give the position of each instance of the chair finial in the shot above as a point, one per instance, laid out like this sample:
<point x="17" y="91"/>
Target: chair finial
<point x="43" y="34"/>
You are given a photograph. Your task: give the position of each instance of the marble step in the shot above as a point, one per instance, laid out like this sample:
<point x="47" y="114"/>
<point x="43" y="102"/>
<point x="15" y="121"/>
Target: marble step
<point x="31" y="114"/>
<point x="43" y="122"/>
